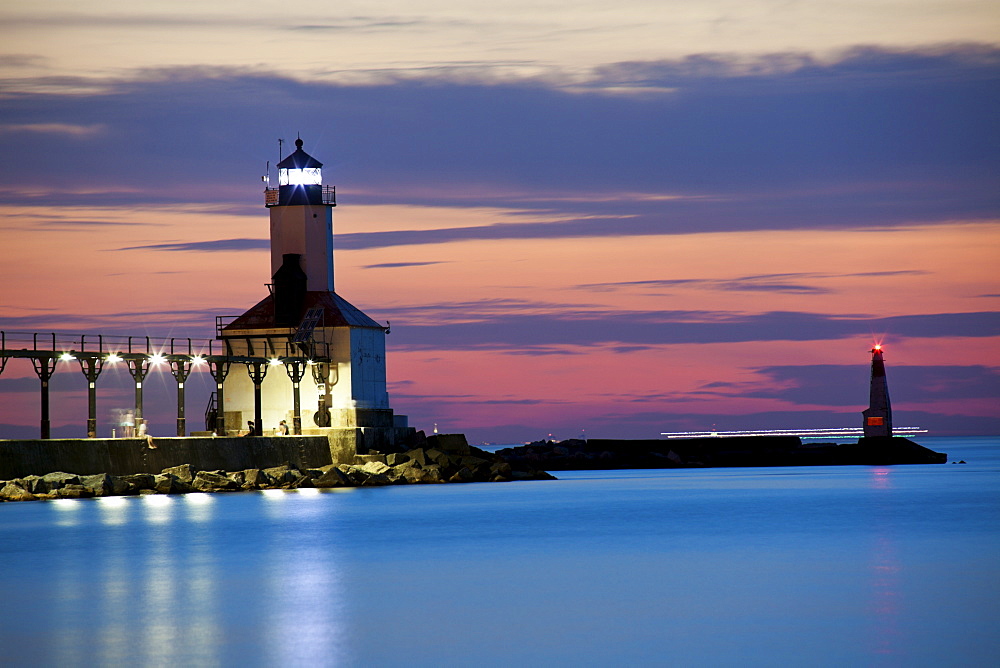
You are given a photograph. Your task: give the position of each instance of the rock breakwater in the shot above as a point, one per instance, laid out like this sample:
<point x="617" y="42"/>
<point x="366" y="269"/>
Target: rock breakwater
<point x="451" y="460"/>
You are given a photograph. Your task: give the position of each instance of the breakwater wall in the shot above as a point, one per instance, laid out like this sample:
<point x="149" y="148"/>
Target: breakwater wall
<point x="600" y="453"/>
<point x="125" y="456"/>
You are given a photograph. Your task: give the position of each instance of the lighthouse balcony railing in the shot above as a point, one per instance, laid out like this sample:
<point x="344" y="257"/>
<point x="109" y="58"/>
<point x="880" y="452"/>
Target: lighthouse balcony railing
<point x="329" y="194"/>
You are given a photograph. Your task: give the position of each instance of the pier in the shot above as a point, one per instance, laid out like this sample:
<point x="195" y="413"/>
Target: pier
<point x="182" y="356"/>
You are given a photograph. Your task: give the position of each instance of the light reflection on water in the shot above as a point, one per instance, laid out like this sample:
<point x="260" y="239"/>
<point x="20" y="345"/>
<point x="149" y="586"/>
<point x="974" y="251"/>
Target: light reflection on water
<point x="696" y="567"/>
<point x="885" y="604"/>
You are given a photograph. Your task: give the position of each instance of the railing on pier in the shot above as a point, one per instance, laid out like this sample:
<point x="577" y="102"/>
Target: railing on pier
<point x="36" y="344"/>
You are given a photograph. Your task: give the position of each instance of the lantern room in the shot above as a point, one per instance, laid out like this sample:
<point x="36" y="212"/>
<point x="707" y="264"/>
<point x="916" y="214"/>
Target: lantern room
<point x="300" y="179"/>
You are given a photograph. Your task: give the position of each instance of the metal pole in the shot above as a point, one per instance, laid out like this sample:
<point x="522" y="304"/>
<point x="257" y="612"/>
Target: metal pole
<point x="181" y="369"/>
<point x="44" y="366"/>
<point x="138" y="368"/>
<point x="296" y="369"/>
<point x="91" y="367"/>
<point x="257" y="371"/>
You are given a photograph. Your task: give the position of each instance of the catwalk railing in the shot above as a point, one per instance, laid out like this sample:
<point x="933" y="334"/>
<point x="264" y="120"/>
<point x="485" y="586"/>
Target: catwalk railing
<point x="95" y="352"/>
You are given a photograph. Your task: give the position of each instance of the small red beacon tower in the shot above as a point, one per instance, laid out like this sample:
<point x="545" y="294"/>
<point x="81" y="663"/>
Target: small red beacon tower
<point x="878" y="415"/>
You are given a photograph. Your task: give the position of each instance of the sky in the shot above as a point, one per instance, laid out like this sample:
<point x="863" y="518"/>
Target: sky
<point x="607" y="219"/>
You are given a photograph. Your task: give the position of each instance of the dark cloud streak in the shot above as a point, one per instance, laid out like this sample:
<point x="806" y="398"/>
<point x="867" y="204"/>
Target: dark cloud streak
<point x="823" y="384"/>
<point x="518" y="330"/>
<point x="876" y="138"/>
<point x="206" y="246"/>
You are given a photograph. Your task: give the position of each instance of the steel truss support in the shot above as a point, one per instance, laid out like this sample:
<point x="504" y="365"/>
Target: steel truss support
<point x="219" y="370"/>
<point x="138" y="367"/>
<point x="257" y="371"/>
<point x="44" y="366"/>
<point x="91" y="368"/>
<point x="181" y="369"/>
<point x="296" y="370"/>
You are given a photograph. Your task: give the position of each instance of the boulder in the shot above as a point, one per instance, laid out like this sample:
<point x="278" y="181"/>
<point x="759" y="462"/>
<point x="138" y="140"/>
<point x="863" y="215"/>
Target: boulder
<point x="363" y="478"/>
<point x="479" y="467"/>
<point x="333" y="477"/>
<point x="32" y="483"/>
<point x="473" y="462"/>
<point x="396" y="458"/>
<point x="418" y="455"/>
<point x="501" y="469"/>
<point x="141" y="481"/>
<point x="361" y="460"/>
<point x="432" y="473"/>
<point x="122" y="487"/>
<point x="462" y="475"/>
<point x="12" y="492"/>
<point x="100" y="484"/>
<point x="413" y="474"/>
<point x="438" y="457"/>
<point x="74" y="492"/>
<point x="303" y="481"/>
<point x="256" y="479"/>
<point x="282" y="475"/>
<point x="376" y="480"/>
<point x="170" y="484"/>
<point x="184" y="472"/>
<point x="375" y="468"/>
<point x="451" y="443"/>
<point x="239" y="477"/>
<point x="211" y="481"/>
<point x="53" y="481"/>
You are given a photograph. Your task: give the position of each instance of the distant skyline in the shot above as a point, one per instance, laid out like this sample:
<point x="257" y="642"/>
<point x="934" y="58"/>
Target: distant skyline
<point x="579" y="218"/>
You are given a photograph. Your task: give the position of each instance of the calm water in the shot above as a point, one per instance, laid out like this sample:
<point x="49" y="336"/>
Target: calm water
<point x="896" y="566"/>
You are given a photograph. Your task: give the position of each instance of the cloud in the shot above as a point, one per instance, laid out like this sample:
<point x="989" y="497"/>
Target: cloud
<point x="824" y="384"/>
<point x="64" y="129"/>
<point x="199" y="324"/>
<point x="477" y="331"/>
<point x="785" y="142"/>
<point x="206" y="246"/>
<point x="861" y="64"/>
<point x="398" y="265"/>
<point x="760" y="283"/>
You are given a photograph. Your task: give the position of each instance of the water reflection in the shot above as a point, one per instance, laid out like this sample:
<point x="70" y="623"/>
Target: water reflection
<point x="68" y="580"/>
<point x="885" y="603"/>
<point x="69" y="511"/>
<point x="115" y="590"/>
<point x="149" y="580"/>
<point x="303" y="576"/>
<point x="113" y="510"/>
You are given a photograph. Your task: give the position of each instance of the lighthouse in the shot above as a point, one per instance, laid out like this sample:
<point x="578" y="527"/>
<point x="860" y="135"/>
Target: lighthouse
<point x="878" y="415"/>
<point x="327" y="371"/>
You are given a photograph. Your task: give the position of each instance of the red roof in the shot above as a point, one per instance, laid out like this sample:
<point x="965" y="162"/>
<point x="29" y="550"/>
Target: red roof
<point x="337" y="312"/>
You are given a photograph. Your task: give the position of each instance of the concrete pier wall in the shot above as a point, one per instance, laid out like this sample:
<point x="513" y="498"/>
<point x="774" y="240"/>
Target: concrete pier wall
<point x="123" y="456"/>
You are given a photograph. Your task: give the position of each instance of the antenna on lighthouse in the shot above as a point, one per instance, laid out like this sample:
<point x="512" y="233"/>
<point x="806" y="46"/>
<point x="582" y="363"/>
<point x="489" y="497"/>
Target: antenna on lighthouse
<point x="280" y="151"/>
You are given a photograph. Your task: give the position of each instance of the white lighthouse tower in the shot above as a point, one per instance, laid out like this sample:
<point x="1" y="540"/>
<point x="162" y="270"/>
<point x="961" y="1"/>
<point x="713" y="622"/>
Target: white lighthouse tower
<point x="332" y="353"/>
